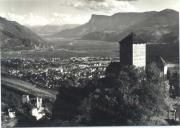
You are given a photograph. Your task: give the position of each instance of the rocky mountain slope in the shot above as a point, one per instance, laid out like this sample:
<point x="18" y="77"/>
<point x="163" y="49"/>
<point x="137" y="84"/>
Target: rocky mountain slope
<point x="154" y="26"/>
<point x="14" y="36"/>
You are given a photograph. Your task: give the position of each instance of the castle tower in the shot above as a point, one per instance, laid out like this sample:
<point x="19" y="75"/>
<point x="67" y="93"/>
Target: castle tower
<point x="132" y="51"/>
<point x="39" y="102"/>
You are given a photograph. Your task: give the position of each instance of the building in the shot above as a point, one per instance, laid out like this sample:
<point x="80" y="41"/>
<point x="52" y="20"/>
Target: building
<point x="132" y="51"/>
<point x="39" y="102"/>
<point x="170" y="73"/>
<point x="25" y="99"/>
<point x="16" y="93"/>
<point x="38" y="112"/>
<point x="167" y="66"/>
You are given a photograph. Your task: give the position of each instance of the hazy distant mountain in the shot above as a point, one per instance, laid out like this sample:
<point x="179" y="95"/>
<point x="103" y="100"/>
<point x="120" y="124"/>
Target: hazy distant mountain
<point x="51" y="29"/>
<point x="154" y="26"/>
<point x="117" y="22"/>
<point x="168" y="34"/>
<point x="14" y="36"/>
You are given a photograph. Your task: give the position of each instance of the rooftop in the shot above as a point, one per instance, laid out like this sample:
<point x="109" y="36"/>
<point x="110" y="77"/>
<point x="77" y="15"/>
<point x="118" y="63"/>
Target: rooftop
<point x="169" y="60"/>
<point x="133" y="38"/>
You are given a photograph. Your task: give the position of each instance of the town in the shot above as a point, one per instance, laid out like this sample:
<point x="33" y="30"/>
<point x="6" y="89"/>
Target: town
<point x="50" y="73"/>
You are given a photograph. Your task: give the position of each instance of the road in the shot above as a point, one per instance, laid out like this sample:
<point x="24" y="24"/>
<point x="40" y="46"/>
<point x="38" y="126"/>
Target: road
<point x="28" y="88"/>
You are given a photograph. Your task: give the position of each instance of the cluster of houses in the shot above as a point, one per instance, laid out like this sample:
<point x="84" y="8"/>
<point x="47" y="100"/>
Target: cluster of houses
<point x="49" y="76"/>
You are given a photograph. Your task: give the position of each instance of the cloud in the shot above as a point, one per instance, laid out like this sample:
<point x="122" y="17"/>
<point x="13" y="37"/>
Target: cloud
<point x="126" y="0"/>
<point x="97" y="0"/>
<point x="61" y="11"/>
<point x="112" y="0"/>
<point x="103" y="6"/>
<point x="56" y="18"/>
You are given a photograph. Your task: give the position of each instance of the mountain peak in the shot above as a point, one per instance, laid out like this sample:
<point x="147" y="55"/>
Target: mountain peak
<point x="169" y="11"/>
<point x="2" y="19"/>
<point x="95" y="17"/>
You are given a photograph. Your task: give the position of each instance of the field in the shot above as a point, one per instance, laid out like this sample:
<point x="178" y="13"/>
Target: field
<point x="66" y="48"/>
<point x="70" y="48"/>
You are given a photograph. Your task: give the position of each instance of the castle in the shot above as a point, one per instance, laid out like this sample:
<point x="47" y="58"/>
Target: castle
<point x="132" y="51"/>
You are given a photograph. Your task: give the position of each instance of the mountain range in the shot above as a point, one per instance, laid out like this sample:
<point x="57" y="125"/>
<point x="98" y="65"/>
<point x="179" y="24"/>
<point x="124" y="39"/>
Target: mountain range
<point x="51" y="29"/>
<point x="14" y="36"/>
<point x="155" y="27"/>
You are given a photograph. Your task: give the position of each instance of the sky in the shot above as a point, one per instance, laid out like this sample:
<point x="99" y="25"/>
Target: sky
<point x="59" y="12"/>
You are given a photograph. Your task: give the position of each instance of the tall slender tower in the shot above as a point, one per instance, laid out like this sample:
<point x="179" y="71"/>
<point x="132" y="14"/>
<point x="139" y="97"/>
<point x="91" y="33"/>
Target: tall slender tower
<point x="39" y="102"/>
<point x="132" y="51"/>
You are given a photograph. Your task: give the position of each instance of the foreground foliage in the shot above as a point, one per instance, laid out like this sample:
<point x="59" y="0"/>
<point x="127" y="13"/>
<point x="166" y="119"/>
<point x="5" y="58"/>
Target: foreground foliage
<point x="131" y="97"/>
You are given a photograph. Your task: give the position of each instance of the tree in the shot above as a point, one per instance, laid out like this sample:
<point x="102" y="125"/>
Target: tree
<point x="127" y="99"/>
<point x="153" y="72"/>
<point x="114" y="101"/>
<point x="174" y="84"/>
<point x="67" y="103"/>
